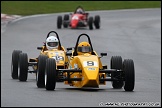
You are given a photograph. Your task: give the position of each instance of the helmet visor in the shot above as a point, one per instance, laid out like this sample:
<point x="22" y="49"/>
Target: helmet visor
<point x="52" y="44"/>
<point x="84" y="49"/>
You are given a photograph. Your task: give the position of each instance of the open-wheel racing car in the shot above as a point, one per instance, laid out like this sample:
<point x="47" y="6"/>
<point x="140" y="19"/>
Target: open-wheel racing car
<point x="78" y="19"/>
<point x="85" y="69"/>
<point x="20" y="63"/>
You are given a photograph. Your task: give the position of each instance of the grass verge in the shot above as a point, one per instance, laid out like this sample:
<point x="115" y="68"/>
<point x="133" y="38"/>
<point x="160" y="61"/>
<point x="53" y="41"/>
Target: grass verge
<point x="43" y="7"/>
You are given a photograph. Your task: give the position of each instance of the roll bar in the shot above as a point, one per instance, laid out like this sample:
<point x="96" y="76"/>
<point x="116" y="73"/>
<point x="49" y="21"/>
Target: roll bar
<point x="56" y="36"/>
<point x="76" y="46"/>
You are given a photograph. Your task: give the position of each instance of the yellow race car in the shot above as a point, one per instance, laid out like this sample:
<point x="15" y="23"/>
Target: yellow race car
<point x="20" y="63"/>
<point x="85" y="69"/>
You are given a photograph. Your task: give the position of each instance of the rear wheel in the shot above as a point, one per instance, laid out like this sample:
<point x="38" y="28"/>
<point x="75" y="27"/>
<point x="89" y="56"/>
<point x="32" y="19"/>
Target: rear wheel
<point x="97" y="21"/>
<point x="50" y="74"/>
<point x="116" y="63"/>
<point x="128" y="67"/>
<point x="23" y="66"/>
<point x="90" y="23"/>
<point x="40" y="76"/>
<point x="14" y="63"/>
<point x="59" y="22"/>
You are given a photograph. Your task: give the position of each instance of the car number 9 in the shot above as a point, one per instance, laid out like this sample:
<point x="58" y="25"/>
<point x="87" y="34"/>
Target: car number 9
<point x="90" y="63"/>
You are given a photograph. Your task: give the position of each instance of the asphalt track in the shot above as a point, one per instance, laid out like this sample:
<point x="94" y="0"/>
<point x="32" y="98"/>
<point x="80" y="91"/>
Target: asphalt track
<point x="133" y="34"/>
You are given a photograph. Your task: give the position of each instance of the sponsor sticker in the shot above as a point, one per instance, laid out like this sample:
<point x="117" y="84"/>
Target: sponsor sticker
<point x="91" y="68"/>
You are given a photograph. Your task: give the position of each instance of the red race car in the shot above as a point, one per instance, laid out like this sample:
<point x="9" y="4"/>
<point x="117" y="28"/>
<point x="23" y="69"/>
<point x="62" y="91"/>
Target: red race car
<point x="78" y="19"/>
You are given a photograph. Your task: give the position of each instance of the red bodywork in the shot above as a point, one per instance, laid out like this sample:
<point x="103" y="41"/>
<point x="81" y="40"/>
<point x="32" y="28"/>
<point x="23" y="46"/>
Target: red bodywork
<point x="78" y="18"/>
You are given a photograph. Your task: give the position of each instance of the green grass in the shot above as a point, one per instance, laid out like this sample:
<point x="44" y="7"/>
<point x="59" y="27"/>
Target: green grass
<point x="43" y="7"/>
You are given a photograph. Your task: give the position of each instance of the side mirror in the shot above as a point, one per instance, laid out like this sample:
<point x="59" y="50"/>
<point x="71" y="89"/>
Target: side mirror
<point x="39" y="48"/>
<point x="103" y="54"/>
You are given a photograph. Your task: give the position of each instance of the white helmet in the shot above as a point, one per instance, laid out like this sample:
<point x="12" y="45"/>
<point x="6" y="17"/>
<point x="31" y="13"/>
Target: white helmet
<point x="52" y="42"/>
<point x="80" y="11"/>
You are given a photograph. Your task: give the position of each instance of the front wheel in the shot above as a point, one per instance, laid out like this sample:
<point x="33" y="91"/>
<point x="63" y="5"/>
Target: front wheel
<point x="128" y="67"/>
<point x="40" y="75"/>
<point x="97" y="21"/>
<point x="23" y="67"/>
<point x="66" y="19"/>
<point x="50" y="79"/>
<point x="59" y="22"/>
<point x="90" y="23"/>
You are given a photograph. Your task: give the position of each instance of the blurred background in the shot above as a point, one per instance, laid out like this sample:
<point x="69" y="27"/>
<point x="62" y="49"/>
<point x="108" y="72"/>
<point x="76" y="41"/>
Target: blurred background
<point x="43" y="7"/>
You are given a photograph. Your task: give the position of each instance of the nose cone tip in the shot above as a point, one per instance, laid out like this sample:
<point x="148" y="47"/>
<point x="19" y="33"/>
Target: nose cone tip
<point x="91" y="83"/>
<point x="73" y="26"/>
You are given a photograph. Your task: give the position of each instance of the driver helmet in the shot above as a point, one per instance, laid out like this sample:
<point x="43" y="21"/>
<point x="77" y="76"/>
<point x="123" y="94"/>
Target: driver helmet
<point x="83" y="47"/>
<point x="52" y="43"/>
<point x="79" y="11"/>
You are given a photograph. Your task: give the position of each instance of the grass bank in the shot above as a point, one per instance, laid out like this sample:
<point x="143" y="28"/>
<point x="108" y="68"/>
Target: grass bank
<point x="43" y="7"/>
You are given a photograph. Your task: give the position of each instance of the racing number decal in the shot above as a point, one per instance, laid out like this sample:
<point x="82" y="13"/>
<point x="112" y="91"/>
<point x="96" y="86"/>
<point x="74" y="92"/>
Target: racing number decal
<point x="58" y="58"/>
<point x="90" y="63"/>
<point x="75" y="17"/>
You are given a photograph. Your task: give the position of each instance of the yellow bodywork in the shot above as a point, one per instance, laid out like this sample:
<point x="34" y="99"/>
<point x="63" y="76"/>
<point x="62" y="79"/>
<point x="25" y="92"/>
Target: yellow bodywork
<point x="90" y="65"/>
<point x="58" y="54"/>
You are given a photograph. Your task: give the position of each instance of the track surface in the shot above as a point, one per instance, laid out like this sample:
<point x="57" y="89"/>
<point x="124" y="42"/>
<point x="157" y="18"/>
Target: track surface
<point x="133" y="34"/>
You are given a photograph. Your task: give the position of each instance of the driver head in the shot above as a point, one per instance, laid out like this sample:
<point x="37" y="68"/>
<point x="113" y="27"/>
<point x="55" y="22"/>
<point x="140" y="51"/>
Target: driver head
<point x="83" y="47"/>
<point x="52" y="43"/>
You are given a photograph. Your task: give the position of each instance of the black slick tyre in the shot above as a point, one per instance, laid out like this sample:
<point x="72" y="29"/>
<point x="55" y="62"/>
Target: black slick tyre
<point x="128" y="67"/>
<point x="97" y="21"/>
<point x="40" y="75"/>
<point x="23" y="67"/>
<point x="90" y="23"/>
<point x="66" y="19"/>
<point x="59" y="22"/>
<point x="14" y="64"/>
<point x="50" y="74"/>
<point x="116" y="63"/>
